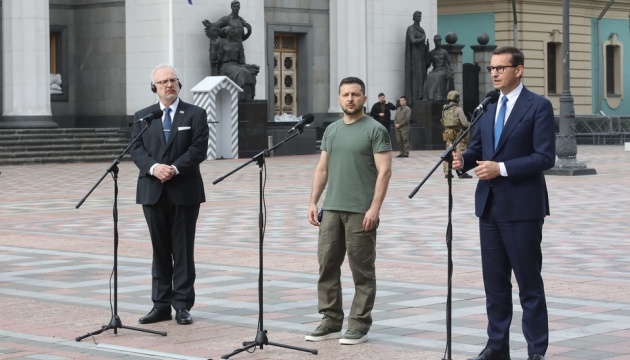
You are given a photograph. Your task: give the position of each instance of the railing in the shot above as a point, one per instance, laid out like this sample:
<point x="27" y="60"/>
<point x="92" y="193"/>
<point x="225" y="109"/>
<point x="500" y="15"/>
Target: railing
<point x="600" y="130"/>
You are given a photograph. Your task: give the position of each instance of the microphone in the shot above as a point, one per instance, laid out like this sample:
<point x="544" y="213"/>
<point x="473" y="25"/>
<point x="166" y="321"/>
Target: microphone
<point x="303" y="120"/>
<point x="491" y="97"/>
<point x="153" y="115"/>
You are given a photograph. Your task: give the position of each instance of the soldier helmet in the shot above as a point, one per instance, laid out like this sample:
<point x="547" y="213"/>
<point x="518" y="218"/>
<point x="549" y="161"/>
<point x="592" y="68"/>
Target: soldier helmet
<point x="453" y="95"/>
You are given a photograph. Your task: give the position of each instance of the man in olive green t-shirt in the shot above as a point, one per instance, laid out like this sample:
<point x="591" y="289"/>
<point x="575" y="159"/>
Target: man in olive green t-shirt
<point x="355" y="166"/>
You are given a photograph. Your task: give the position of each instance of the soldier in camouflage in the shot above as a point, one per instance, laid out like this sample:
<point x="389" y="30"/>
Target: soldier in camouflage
<point x="454" y="121"/>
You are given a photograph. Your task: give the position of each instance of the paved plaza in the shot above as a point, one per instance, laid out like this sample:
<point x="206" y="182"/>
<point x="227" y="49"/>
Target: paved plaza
<point x="57" y="260"/>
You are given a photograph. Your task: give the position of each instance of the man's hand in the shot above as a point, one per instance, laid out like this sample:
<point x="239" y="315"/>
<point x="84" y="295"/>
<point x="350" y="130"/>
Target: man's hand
<point x="370" y="220"/>
<point x="487" y="170"/>
<point x="457" y="160"/>
<point x="164" y="172"/>
<point x="312" y="215"/>
<point x="381" y="114"/>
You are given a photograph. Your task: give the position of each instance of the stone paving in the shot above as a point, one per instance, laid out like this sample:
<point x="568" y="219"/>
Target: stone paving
<point x="56" y="280"/>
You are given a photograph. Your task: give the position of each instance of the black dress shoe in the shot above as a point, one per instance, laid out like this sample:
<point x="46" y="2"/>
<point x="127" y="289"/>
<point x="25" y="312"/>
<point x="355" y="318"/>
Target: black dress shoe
<point x="465" y="176"/>
<point x="489" y="354"/>
<point x="155" y="315"/>
<point x="399" y="156"/>
<point x="536" y="357"/>
<point x="183" y="317"/>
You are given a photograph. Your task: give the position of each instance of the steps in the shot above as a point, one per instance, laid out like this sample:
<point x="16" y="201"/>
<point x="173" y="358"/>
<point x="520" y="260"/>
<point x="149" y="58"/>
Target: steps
<point x="41" y="146"/>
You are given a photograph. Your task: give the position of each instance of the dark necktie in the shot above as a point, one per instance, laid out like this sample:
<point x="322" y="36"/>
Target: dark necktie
<point x="498" y="127"/>
<point x="167" y="122"/>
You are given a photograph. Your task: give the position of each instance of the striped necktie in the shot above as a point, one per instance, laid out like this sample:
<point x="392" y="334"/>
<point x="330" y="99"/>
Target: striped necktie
<point x="498" y="127"/>
<point x="167" y="122"/>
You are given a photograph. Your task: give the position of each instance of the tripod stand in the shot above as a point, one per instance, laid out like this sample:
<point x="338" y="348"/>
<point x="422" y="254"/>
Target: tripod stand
<point x="448" y="157"/>
<point x="261" y="336"/>
<point x="115" y="322"/>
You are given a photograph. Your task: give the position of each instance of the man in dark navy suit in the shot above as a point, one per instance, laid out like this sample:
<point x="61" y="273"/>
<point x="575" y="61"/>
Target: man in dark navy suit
<point x="513" y="145"/>
<point x="171" y="190"/>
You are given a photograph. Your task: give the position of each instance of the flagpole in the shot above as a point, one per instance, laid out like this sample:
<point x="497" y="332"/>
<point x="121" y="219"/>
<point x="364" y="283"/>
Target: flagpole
<point x="171" y="41"/>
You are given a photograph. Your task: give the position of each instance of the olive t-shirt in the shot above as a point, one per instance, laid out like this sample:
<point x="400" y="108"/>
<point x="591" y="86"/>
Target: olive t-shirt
<point x="351" y="168"/>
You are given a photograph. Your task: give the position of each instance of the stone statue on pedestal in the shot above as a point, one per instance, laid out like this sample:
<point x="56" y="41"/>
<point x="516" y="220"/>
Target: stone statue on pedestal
<point x="227" y="54"/>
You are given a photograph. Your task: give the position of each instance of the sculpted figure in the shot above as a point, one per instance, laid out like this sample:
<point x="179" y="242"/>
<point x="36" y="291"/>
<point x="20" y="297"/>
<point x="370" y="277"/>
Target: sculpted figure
<point x="235" y="21"/>
<point x="415" y="59"/>
<point x="231" y="60"/>
<point x="212" y="32"/>
<point x="227" y="55"/>
<point x="436" y="85"/>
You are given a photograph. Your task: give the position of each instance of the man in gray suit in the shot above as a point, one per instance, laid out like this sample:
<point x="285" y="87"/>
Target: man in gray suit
<point x="170" y="189"/>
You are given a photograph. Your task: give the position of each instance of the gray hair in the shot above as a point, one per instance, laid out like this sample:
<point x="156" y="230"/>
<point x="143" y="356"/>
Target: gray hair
<point x="162" y="66"/>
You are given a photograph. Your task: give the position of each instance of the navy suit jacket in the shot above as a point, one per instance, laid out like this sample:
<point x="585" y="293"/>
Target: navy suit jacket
<point x="526" y="147"/>
<point x="186" y="148"/>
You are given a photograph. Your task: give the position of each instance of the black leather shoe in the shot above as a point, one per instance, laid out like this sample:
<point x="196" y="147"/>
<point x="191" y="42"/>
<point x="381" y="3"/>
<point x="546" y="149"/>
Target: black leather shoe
<point x="465" y="176"/>
<point x="399" y="156"/>
<point x="536" y="357"/>
<point x="155" y="315"/>
<point x="489" y="354"/>
<point x="183" y="317"/>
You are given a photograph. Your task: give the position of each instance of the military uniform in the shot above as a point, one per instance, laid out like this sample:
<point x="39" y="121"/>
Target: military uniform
<point x="455" y="122"/>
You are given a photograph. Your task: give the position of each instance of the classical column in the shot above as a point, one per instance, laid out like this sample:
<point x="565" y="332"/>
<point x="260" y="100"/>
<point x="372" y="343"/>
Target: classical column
<point x="26" y="64"/>
<point x="348" y="49"/>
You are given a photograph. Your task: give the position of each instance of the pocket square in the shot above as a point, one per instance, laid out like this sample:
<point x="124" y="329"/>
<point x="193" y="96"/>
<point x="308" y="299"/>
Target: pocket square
<point x="183" y="128"/>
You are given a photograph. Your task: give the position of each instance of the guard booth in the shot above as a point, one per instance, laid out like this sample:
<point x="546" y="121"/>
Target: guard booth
<point x="218" y="95"/>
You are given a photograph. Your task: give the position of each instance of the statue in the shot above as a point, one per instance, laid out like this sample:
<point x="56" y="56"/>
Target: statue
<point x="212" y="32"/>
<point x="235" y="21"/>
<point x="439" y="81"/>
<point x="415" y="59"/>
<point x="227" y="54"/>
<point x="231" y="61"/>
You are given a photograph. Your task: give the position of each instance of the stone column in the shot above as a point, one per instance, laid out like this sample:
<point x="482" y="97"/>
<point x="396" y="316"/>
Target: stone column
<point x="26" y="64"/>
<point x="482" y="56"/>
<point x="348" y="54"/>
<point x="455" y="52"/>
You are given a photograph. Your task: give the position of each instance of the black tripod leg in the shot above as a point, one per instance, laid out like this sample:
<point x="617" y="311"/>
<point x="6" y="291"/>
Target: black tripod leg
<point x="163" y="333"/>
<point x="312" y="351"/>
<point x="116" y="324"/>
<point x="238" y="351"/>
<point x="261" y="340"/>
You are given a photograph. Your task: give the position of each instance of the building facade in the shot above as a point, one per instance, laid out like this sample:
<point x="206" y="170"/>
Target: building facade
<point x="87" y="63"/>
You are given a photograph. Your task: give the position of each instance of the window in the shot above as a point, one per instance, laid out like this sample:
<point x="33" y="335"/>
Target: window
<point x="552" y="70"/>
<point x="612" y="76"/>
<point x="611" y="66"/>
<point x="554" y="62"/>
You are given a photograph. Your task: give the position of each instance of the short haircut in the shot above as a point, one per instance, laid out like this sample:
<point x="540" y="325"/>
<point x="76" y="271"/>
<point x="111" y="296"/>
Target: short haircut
<point x="162" y="66"/>
<point x="517" y="55"/>
<point x="403" y="97"/>
<point x="380" y="94"/>
<point x="353" y="80"/>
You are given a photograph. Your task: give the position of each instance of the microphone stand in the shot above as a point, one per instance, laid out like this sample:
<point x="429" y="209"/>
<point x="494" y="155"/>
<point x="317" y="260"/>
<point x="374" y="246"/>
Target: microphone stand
<point x="115" y="322"/>
<point x="448" y="157"/>
<point x="261" y="336"/>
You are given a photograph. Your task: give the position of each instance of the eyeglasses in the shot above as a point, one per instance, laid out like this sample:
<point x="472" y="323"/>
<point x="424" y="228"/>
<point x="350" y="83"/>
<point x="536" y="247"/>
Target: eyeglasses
<point x="500" y="69"/>
<point x="167" y="81"/>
